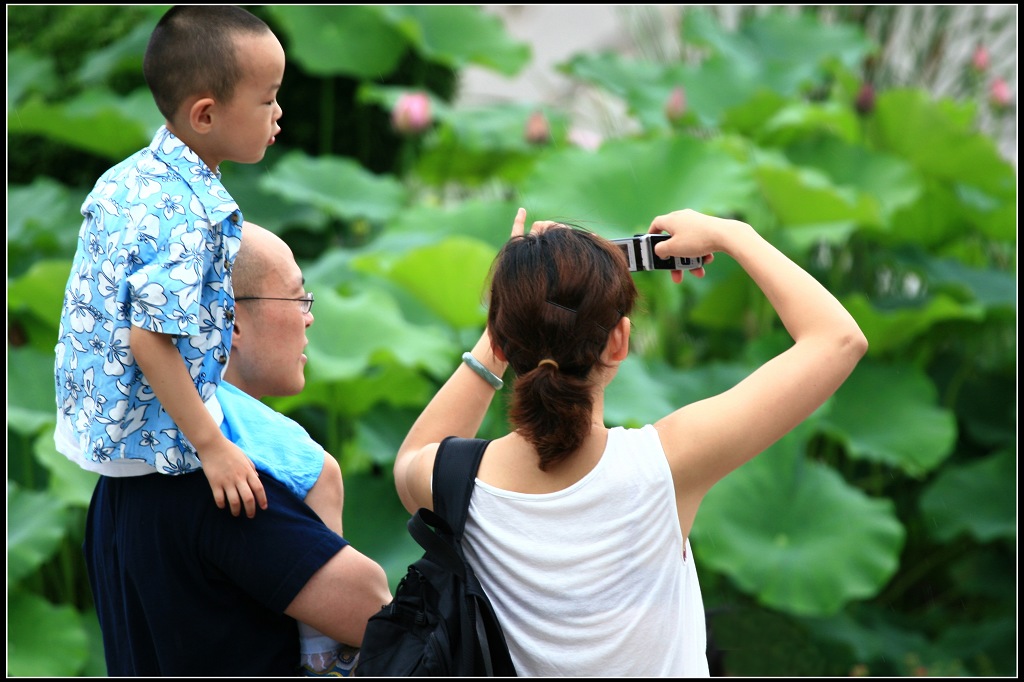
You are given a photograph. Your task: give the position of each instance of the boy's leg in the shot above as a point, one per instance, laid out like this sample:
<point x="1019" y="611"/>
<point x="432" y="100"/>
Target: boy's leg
<point x="319" y="654"/>
<point x="327" y="496"/>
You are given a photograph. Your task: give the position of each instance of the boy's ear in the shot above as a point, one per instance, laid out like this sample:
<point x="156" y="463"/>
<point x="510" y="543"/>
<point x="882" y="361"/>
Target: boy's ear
<point x="200" y="114"/>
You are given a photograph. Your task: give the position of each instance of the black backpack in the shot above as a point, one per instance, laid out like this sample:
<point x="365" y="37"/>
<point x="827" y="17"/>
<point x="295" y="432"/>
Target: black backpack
<point x="440" y="622"/>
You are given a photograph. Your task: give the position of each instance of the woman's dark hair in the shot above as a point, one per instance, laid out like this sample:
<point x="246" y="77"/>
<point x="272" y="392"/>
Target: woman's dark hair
<point x="192" y="50"/>
<point x="556" y="295"/>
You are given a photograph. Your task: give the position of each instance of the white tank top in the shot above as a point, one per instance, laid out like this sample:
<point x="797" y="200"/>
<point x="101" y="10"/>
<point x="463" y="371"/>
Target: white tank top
<point x="592" y="580"/>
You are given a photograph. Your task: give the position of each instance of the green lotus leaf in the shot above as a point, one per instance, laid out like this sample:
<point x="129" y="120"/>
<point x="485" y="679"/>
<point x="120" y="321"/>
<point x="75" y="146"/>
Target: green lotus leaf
<point x="636" y="397"/>
<point x="28" y="73"/>
<point x="888" y="181"/>
<point x="331" y="40"/>
<point x="783" y="52"/>
<point x="941" y="139"/>
<point x="890" y="414"/>
<point x="897" y="328"/>
<point x="794" y="534"/>
<point x="502" y="127"/>
<point x="763" y="643"/>
<point x="647" y="390"/>
<point x="645" y="86"/>
<point x="337" y="185"/>
<point x="985" y="407"/>
<point x="617" y="190"/>
<point x="43" y="640"/>
<point x="770" y="119"/>
<point x="796" y="121"/>
<point x="459" y="36"/>
<point x="270" y="209"/>
<point x="457" y="295"/>
<point x="69" y="483"/>
<point x="386" y="382"/>
<point x="768" y="54"/>
<point x="991" y="287"/>
<point x="870" y="634"/>
<point x="31" y="404"/>
<point x="881" y="643"/>
<point x="727" y="297"/>
<point x="992" y="644"/>
<point x="935" y="220"/>
<point x="978" y="498"/>
<point x="123" y="55"/>
<point x="807" y="200"/>
<point x="380" y="432"/>
<point x="380" y="535"/>
<point x="480" y="144"/>
<point x="36" y="525"/>
<point x="353" y="334"/>
<point x="38" y="227"/>
<point x="40" y="290"/>
<point x="487" y="221"/>
<point x="96" y="121"/>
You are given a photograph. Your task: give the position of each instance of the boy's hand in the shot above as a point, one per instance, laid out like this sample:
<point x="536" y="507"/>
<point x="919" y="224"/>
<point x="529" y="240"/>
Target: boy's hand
<point x="233" y="478"/>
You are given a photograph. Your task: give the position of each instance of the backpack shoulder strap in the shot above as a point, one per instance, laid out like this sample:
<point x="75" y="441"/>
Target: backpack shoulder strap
<point x="455" y="469"/>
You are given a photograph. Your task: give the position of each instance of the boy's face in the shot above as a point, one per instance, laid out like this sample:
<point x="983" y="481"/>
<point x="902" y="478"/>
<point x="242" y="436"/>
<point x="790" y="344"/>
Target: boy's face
<point x="247" y="124"/>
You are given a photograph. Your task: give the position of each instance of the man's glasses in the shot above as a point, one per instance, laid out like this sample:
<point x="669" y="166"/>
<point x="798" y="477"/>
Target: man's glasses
<point x="306" y="301"/>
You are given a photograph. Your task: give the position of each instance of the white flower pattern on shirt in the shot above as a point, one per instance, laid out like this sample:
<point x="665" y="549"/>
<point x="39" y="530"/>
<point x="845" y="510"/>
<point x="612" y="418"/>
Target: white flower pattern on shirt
<point x="155" y="250"/>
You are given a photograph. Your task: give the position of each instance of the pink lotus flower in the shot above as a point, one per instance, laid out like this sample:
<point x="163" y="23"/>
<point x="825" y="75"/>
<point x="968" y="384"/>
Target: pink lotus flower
<point x="538" y="130"/>
<point x="999" y="94"/>
<point x="980" y="60"/>
<point x="411" y="114"/>
<point x="865" y="102"/>
<point x="675" y="107"/>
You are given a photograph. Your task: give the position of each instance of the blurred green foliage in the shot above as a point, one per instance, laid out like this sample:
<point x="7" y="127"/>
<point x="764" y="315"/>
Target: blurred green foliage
<point x="879" y="538"/>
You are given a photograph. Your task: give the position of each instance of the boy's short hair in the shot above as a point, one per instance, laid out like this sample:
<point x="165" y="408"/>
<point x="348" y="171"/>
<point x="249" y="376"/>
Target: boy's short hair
<point x="191" y="51"/>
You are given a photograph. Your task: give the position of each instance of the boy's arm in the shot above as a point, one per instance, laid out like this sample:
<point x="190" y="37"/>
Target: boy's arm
<point x="229" y="471"/>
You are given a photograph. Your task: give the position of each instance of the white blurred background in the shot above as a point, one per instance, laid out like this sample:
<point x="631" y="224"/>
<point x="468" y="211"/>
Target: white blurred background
<point x="927" y="46"/>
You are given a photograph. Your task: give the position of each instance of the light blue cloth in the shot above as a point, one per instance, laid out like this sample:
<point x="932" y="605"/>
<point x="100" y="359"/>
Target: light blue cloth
<point x="277" y="445"/>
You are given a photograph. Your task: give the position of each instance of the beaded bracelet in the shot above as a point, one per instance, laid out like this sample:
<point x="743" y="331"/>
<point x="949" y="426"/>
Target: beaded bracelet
<point x="486" y="374"/>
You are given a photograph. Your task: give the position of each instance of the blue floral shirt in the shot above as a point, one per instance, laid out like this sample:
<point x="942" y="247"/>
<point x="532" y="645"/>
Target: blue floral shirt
<point x="155" y="250"/>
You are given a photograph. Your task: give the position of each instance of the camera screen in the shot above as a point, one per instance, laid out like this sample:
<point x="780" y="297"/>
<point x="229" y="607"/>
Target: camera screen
<point x="629" y="250"/>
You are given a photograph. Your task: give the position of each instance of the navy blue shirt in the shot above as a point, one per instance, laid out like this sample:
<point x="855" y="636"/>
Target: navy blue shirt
<point x="183" y="588"/>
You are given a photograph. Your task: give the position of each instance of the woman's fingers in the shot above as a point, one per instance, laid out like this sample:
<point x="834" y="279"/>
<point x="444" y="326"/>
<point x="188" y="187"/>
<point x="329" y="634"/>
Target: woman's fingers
<point x="519" y="224"/>
<point x="541" y="225"/>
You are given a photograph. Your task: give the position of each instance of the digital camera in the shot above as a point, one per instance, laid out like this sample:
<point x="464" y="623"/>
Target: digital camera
<point x="639" y="252"/>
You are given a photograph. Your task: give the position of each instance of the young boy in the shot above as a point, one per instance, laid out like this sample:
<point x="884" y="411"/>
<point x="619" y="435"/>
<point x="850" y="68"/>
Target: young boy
<point x="145" y="331"/>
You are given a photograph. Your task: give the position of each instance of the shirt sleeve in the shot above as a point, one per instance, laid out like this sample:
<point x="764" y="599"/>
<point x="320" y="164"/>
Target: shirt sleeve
<point x="274" y="554"/>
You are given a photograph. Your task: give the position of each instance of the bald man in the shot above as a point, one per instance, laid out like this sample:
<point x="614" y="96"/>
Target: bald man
<point x="183" y="588"/>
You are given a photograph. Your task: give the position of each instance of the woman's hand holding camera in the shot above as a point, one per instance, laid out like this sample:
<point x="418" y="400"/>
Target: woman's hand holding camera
<point x="692" y="234"/>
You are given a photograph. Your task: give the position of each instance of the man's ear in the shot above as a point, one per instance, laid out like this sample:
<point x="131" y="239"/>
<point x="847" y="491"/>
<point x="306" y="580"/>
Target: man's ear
<point x="236" y="328"/>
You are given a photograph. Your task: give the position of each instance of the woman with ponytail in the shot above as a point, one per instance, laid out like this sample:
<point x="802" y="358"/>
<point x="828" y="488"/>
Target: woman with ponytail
<point x="579" y="532"/>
